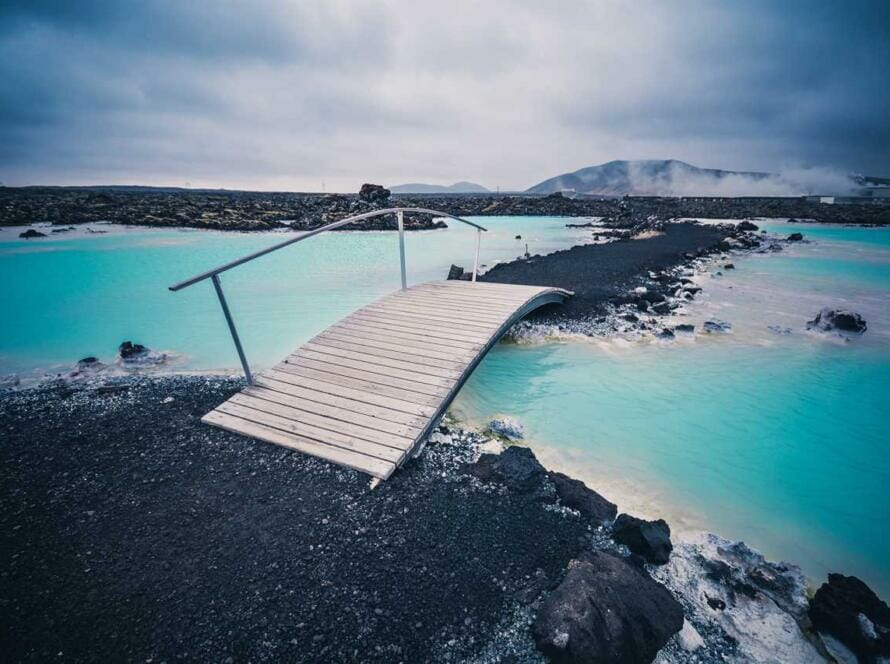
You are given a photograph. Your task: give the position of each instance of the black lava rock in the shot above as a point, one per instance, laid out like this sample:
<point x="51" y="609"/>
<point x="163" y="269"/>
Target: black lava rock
<point x="838" y="320"/>
<point x="575" y="494"/>
<point x="606" y="610"/>
<point x="517" y="467"/>
<point x="666" y="334"/>
<point x="729" y="266"/>
<point x="849" y="610"/>
<point x="373" y="193"/>
<point x="685" y="328"/>
<point x="129" y="350"/>
<point x="650" y="539"/>
<point x="455" y="272"/>
<point x="746" y="226"/>
<point x="31" y="233"/>
<point x="795" y="237"/>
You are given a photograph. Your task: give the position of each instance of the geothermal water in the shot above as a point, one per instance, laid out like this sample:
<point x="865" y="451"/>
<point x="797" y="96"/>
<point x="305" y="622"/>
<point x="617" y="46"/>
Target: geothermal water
<point x="775" y="436"/>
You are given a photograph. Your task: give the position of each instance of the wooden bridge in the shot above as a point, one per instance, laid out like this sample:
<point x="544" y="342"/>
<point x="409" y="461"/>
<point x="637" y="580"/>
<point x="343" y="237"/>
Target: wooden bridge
<point x="367" y="392"/>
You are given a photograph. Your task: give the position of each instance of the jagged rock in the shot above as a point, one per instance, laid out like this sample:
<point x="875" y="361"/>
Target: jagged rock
<point x="795" y="237"/>
<point x="373" y="193"/>
<point x="732" y="589"/>
<point x="31" y="233"/>
<point x="838" y="320"/>
<point x="576" y="495"/>
<point x="729" y="266"/>
<point x="746" y="226"/>
<point x="506" y="427"/>
<point x="716" y="326"/>
<point x="89" y="364"/>
<point x="606" y="610"/>
<point x="455" y="272"/>
<point x="685" y="328"/>
<point x="516" y="467"/>
<point x="849" y="610"/>
<point x="128" y="350"/>
<point x="650" y="539"/>
<point x="663" y="308"/>
<point x="666" y="334"/>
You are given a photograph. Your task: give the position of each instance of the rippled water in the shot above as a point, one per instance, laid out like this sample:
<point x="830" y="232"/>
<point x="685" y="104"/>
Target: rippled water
<point x="777" y="439"/>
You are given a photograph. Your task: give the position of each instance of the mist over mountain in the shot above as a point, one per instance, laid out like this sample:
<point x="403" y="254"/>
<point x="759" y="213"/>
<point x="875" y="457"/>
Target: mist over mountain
<point x="456" y="188"/>
<point x="670" y="177"/>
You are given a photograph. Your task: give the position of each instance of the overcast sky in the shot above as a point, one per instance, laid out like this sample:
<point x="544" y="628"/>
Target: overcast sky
<point x="297" y="96"/>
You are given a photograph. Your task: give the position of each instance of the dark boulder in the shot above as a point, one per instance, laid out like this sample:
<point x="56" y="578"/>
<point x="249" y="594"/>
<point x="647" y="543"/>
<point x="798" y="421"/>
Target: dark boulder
<point x="455" y="272"/>
<point x="128" y="350"/>
<point x="666" y="334"/>
<point x="746" y="226"/>
<point x="662" y="308"/>
<point x="729" y="266"/>
<point x="795" y="237"/>
<point x="650" y="539"/>
<point x="716" y="326"/>
<point x="606" y="610"/>
<point x="373" y="193"/>
<point x="516" y="467"/>
<point x="838" y="320"/>
<point x="849" y="610"/>
<point x="685" y="328"/>
<point x="31" y="233"/>
<point x="575" y="494"/>
<point x="775" y="247"/>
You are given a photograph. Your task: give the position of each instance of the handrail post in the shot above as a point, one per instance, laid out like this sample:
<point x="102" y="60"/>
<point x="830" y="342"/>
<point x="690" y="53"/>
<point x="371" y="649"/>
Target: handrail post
<point x="401" y="220"/>
<point x="225" y="307"/>
<point x="476" y="260"/>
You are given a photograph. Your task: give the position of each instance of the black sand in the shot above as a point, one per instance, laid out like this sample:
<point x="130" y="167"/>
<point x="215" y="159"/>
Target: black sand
<point x="598" y="273"/>
<point x="129" y="531"/>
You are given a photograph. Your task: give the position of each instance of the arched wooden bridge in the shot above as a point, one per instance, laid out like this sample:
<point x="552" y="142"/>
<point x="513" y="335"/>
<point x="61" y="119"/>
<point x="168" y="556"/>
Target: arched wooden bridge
<point x="366" y="392"/>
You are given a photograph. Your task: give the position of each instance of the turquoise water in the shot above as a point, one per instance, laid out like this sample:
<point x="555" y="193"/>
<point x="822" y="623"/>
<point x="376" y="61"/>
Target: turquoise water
<point x="779" y="440"/>
<point x="70" y="296"/>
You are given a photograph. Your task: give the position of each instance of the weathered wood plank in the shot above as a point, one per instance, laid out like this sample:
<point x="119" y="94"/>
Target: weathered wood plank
<point x="363" y="462"/>
<point x="402" y="440"/>
<point x="366" y="390"/>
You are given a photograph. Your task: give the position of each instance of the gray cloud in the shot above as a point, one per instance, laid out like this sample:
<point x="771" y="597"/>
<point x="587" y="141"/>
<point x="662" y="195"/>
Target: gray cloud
<point x="285" y="95"/>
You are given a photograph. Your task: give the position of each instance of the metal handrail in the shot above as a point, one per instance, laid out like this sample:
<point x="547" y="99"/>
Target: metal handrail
<point x="399" y="212"/>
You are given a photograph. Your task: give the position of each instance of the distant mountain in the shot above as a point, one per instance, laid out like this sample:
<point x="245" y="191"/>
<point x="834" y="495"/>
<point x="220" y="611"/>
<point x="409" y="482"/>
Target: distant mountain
<point x="653" y="177"/>
<point x="456" y="188"/>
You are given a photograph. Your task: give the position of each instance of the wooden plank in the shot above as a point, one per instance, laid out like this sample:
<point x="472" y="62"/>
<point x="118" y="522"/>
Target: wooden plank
<point x="406" y="371"/>
<point x="363" y="462"/>
<point x="362" y="390"/>
<point x="399" y="362"/>
<point x="501" y="302"/>
<point x="413" y="390"/>
<point x="486" y="285"/>
<point x="440" y="319"/>
<point x="446" y="350"/>
<point x="505" y="297"/>
<point x="373" y="319"/>
<point x="384" y="354"/>
<point x="312" y="433"/>
<point x="335" y="406"/>
<point x="396" y="345"/>
<point x="402" y="441"/>
<point x="502" y="309"/>
<point x="337" y="390"/>
<point x="439" y="307"/>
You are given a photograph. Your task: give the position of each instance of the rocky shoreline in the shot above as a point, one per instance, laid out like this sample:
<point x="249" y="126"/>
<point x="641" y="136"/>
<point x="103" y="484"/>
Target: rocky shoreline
<point x="132" y="531"/>
<point x="247" y="211"/>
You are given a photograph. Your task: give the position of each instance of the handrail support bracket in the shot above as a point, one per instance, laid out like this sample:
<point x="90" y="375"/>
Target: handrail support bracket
<point x="231" y="323"/>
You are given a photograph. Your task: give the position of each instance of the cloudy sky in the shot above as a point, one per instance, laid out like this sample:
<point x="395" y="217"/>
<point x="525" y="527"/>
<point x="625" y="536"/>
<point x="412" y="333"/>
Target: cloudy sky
<point x="305" y="95"/>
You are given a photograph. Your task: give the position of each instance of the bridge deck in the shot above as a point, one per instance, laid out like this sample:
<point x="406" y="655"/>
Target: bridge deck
<point x="366" y="391"/>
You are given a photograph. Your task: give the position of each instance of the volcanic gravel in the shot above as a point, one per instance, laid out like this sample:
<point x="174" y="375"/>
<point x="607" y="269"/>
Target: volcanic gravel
<point x="131" y="531"/>
<point x="599" y="272"/>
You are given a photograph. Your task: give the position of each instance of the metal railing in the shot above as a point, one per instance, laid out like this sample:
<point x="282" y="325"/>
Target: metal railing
<point x="213" y="274"/>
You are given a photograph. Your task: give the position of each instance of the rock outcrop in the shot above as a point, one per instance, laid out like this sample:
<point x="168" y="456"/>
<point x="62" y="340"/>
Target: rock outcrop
<point x="576" y="495"/>
<point x="650" y="539"/>
<point x="373" y="193"/>
<point x="838" y="321"/>
<point x="847" y="609"/>
<point x="516" y="467"/>
<point x="606" y="610"/>
<point x="506" y="427"/>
